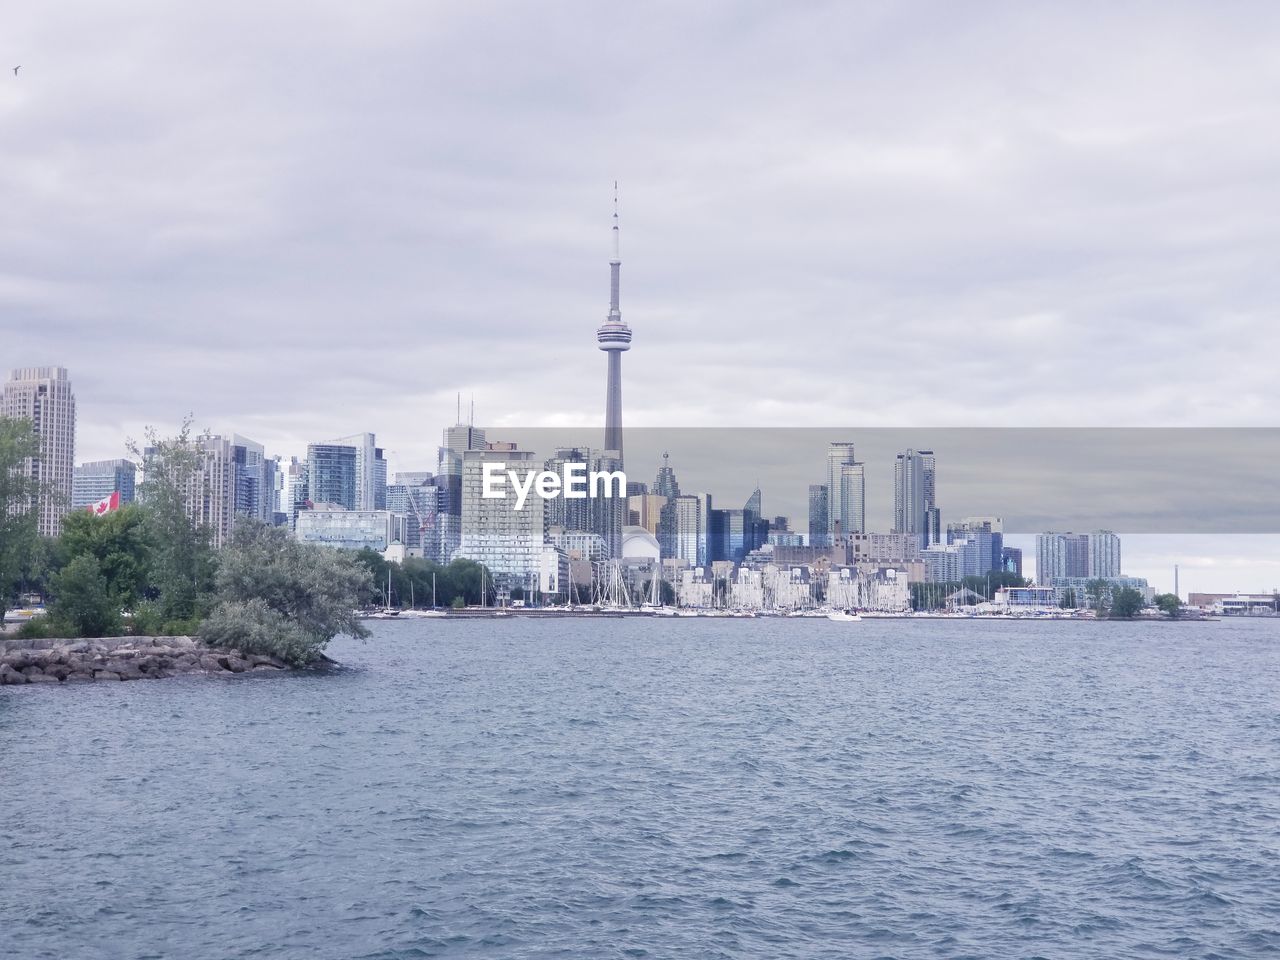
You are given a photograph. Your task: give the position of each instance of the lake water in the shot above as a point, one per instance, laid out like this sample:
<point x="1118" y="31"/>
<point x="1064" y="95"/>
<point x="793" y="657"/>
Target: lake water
<point x="658" y="788"/>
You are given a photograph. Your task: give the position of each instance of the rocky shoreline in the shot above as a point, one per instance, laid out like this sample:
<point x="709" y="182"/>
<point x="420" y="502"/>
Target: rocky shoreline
<point x="113" y="659"/>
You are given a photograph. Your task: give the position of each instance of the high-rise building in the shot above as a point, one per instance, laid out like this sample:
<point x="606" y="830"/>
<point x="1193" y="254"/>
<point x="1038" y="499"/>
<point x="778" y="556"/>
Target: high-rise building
<point x="371" y="471"/>
<point x="332" y="475"/>
<point x="818" y="508"/>
<point x="293" y="489"/>
<point x="915" y="508"/>
<point x="1061" y="556"/>
<point x="604" y="515"/>
<point x="666" y="484"/>
<point x="43" y="396"/>
<point x="416" y="498"/>
<point x="458" y="439"/>
<point x="852" y="500"/>
<point x="839" y="454"/>
<point x="508" y="541"/>
<point x="99" y="479"/>
<point x="614" y="337"/>
<point x="986" y="534"/>
<point x="1011" y="560"/>
<point x="1104" y="554"/>
<point x="683" y="531"/>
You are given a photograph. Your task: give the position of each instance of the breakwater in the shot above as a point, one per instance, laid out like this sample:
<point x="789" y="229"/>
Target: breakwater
<point x="121" y="658"/>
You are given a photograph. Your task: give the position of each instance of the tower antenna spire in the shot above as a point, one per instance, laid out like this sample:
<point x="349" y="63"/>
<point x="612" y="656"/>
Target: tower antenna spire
<point x="614" y="337"/>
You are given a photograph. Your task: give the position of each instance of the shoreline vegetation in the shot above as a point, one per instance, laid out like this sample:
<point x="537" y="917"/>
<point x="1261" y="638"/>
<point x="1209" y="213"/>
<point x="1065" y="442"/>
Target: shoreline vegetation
<point x="150" y="571"/>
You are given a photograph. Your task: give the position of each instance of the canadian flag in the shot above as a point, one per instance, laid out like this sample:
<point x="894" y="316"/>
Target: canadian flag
<point x="105" y="505"/>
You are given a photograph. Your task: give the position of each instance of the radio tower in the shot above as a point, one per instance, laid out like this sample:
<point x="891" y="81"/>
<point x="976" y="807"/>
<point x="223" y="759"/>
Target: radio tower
<point x="613" y="338"/>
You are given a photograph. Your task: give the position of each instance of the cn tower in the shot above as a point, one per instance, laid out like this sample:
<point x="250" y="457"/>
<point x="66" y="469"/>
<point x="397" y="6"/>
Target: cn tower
<point x="613" y="338"/>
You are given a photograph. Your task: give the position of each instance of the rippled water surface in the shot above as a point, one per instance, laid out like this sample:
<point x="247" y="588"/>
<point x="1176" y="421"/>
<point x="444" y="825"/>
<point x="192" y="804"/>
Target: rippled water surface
<point x="662" y="789"/>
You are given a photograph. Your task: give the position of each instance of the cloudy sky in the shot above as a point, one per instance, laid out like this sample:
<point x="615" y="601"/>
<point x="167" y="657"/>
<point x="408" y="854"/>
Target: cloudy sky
<point x="301" y="220"/>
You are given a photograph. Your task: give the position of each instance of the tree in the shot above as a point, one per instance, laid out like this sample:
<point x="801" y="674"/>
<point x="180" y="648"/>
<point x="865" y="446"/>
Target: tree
<point x="182" y="560"/>
<point x="118" y="541"/>
<point x="1170" y="604"/>
<point x="83" y="602"/>
<point x="1127" y="602"/>
<point x="278" y="597"/>
<point x="1068" y="601"/>
<point x="18" y="492"/>
<point x="986" y="584"/>
<point x="1099" y="594"/>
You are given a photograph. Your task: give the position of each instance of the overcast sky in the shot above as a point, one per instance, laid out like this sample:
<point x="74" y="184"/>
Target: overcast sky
<point x="301" y="220"/>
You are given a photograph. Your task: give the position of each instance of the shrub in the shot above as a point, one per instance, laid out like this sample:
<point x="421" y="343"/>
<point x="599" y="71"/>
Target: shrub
<point x="83" y="600"/>
<point x="278" y="597"/>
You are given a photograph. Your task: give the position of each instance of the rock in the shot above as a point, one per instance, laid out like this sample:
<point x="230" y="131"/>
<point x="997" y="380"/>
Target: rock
<point x="235" y="664"/>
<point x="105" y="675"/>
<point x="59" y="671"/>
<point x="10" y="676"/>
<point x="79" y="676"/>
<point x="211" y="663"/>
<point x="32" y="670"/>
<point x="42" y="678"/>
<point x="266" y="666"/>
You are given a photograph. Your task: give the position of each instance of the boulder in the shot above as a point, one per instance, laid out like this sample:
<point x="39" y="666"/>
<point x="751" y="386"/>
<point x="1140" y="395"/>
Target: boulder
<point x="105" y="675"/>
<point x="31" y="670"/>
<point x="42" y="678"/>
<point x="10" y="676"/>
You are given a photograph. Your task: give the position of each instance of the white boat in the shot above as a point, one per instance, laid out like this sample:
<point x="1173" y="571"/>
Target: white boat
<point x="843" y="616"/>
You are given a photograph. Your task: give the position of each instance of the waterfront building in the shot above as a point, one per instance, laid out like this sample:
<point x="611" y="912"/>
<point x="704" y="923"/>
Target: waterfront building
<point x="818" y="516"/>
<point x="942" y="564"/>
<point x="99" y="479"/>
<point x="293" y="489"/>
<point x="881" y="548"/>
<point x="43" y="396"/>
<point x="1081" y="589"/>
<point x="1026" y="598"/>
<point x="1104" y="554"/>
<point x="1061" y="555"/>
<point x="507" y="541"/>
<point x="683" y="532"/>
<point x="842" y="507"/>
<point x="915" y="508"/>
<point x="332" y="526"/>
<point x="614" y="338"/>
<point x="578" y="544"/>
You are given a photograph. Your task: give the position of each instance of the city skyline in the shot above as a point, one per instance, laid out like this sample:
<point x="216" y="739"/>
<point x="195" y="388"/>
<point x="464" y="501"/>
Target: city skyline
<point x="1049" y="260"/>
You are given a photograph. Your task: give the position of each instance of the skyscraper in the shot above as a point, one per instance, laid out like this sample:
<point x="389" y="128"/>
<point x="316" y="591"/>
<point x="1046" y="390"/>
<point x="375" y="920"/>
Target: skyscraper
<point x="43" y="396"/>
<point x="1104" y="554"/>
<point x="331" y="474"/>
<point x="1061" y="556"/>
<point x="846" y="492"/>
<point x="915" y="509"/>
<point x="457" y="440"/>
<point x="818" y="535"/>
<point x="506" y="540"/>
<point x="614" y="337"/>
<point x="371" y="471"/>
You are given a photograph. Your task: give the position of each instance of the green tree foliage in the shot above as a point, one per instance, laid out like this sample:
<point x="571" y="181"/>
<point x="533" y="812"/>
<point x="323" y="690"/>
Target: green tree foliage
<point x="1169" y="604"/>
<point x="83" y="604"/>
<point x="411" y="581"/>
<point x="182" y="559"/>
<point x="118" y="541"/>
<point x="1126" y="603"/>
<point x="18" y="491"/>
<point x="278" y="597"/>
<point x="1098" y="593"/>
<point x="1068" y="601"/>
